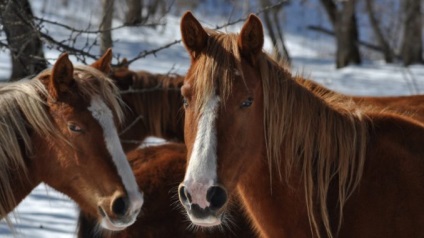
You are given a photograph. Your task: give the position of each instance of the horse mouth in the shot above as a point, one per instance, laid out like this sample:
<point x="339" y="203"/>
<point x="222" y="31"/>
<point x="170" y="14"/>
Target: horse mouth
<point x="205" y="222"/>
<point x="108" y="224"/>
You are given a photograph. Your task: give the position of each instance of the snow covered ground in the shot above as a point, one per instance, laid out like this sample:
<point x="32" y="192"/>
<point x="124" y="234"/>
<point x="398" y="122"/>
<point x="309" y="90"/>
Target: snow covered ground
<point x="46" y="213"/>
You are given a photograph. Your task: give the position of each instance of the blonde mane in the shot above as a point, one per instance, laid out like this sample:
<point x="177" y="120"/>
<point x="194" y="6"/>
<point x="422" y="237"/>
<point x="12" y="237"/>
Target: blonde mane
<point x="23" y="108"/>
<point x="21" y="103"/>
<point x="212" y="72"/>
<point x="323" y="137"/>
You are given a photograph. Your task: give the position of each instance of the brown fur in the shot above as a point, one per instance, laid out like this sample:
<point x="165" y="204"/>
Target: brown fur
<point x="158" y="170"/>
<point x="350" y="170"/>
<point x="153" y="106"/>
<point x="410" y="106"/>
<point x="40" y="146"/>
<point x="157" y="98"/>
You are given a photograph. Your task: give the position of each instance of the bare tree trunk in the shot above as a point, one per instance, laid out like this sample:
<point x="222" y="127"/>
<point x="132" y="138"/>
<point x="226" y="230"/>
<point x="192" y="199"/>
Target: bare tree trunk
<point x="345" y="26"/>
<point x="23" y="38"/>
<point x="275" y="32"/>
<point x="331" y="9"/>
<point x="387" y="50"/>
<point x="134" y="16"/>
<point x="284" y="53"/>
<point x="412" y="48"/>
<point x="106" y="25"/>
<point x="347" y="36"/>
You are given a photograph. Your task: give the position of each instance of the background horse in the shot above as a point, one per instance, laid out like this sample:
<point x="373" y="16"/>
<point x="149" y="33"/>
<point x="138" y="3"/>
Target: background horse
<point x="47" y="131"/>
<point x="303" y="164"/>
<point x="158" y="170"/>
<point x="154" y="105"/>
<point x="410" y="106"/>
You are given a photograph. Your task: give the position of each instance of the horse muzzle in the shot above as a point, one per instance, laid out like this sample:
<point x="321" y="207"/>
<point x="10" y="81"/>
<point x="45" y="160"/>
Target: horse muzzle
<point x="121" y="212"/>
<point x="204" y="213"/>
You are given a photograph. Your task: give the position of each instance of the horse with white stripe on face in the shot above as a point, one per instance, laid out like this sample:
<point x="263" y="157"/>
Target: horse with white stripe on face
<point x="60" y="128"/>
<point x="304" y="163"/>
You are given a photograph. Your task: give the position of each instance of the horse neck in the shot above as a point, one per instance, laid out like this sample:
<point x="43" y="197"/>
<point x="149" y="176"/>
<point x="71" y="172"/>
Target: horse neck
<point x="306" y="123"/>
<point x="40" y="164"/>
<point x="320" y="136"/>
<point x="159" y="105"/>
<point x="18" y="182"/>
<point x="20" y="186"/>
<point x="21" y="114"/>
<point x="275" y="209"/>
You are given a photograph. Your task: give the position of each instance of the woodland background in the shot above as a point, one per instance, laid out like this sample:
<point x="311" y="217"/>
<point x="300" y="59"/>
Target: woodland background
<point x="361" y="47"/>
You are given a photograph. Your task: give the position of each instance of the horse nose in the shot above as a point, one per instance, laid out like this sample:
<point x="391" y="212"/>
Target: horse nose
<point x="217" y="197"/>
<point x="184" y="195"/>
<point x="120" y="206"/>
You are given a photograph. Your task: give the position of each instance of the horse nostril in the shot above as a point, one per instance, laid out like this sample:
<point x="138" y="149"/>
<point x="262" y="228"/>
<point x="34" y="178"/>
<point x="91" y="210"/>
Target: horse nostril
<point x="120" y="206"/>
<point x="185" y="197"/>
<point x="217" y="197"/>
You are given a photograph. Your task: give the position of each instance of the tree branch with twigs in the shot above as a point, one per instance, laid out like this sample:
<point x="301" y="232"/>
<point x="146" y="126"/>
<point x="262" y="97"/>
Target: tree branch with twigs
<point x="80" y="42"/>
<point x="145" y="53"/>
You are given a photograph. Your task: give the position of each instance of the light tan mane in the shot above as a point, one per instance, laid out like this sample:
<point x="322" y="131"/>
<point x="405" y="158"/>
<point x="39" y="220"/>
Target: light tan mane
<point x="220" y="64"/>
<point x="323" y="137"/>
<point x="23" y="108"/>
<point x="21" y="102"/>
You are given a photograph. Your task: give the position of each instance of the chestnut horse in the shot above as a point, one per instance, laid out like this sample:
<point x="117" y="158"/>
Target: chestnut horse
<point x="158" y="170"/>
<point x="411" y="106"/>
<point x="303" y="164"/>
<point x="154" y="105"/>
<point x="48" y="127"/>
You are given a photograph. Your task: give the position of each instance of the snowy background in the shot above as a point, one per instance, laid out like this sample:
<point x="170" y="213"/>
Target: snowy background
<point x="46" y="213"/>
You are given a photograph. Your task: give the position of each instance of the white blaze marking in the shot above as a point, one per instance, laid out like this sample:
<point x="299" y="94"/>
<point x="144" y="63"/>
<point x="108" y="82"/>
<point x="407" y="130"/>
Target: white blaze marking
<point x="104" y="116"/>
<point x="202" y="169"/>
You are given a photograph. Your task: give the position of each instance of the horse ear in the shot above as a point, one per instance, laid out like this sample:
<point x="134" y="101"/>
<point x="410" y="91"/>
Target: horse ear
<point x="62" y="77"/>
<point x="251" y="38"/>
<point x="124" y="63"/>
<point x="103" y="64"/>
<point x="194" y="36"/>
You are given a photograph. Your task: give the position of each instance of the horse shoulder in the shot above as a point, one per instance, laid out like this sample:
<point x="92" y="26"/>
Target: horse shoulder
<point x="399" y="134"/>
<point x="395" y="154"/>
<point x="392" y="186"/>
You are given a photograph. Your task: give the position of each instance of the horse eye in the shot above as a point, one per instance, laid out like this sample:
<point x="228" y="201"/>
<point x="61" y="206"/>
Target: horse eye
<point x="185" y="102"/>
<point x="247" y="103"/>
<point x="74" y="128"/>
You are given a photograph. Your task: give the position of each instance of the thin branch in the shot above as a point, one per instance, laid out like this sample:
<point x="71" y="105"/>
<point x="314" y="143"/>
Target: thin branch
<point x="81" y="53"/>
<point x="131" y="141"/>
<point x="143" y="54"/>
<point x="131" y="125"/>
<point x="331" y="33"/>
<point x="149" y="52"/>
<point x="77" y="52"/>
<point x="86" y="31"/>
<point x="145" y="90"/>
